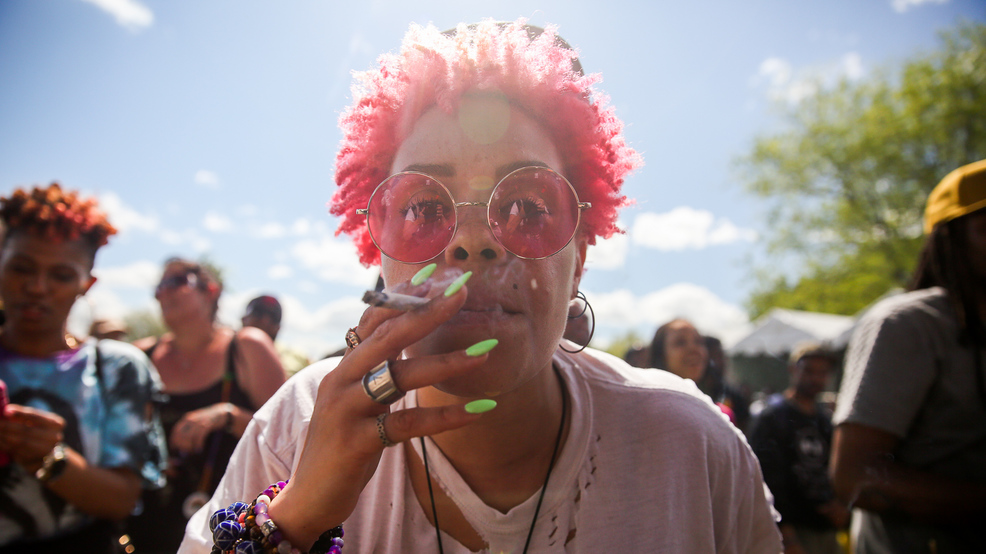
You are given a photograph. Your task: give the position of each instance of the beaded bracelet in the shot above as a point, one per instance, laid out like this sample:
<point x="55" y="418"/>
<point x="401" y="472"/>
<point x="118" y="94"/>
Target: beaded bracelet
<point x="244" y="528"/>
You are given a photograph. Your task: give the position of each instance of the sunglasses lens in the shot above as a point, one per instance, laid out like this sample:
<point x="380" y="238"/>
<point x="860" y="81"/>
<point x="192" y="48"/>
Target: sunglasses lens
<point x="534" y="212"/>
<point x="173" y="282"/>
<point x="411" y="217"/>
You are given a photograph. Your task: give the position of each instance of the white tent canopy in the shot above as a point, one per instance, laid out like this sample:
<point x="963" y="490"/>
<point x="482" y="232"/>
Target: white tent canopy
<point x="778" y="331"/>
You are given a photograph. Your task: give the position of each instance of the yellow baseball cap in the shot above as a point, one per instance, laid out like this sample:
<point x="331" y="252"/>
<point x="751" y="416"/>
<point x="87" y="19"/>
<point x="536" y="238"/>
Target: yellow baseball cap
<point x="961" y="192"/>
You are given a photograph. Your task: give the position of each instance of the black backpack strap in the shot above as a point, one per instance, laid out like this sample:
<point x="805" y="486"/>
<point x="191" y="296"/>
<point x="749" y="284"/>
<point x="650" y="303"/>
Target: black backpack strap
<point x="231" y="359"/>
<point x="150" y="350"/>
<point x="99" y="371"/>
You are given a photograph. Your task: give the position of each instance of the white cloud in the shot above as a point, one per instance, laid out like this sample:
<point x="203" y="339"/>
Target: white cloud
<point x="301" y="226"/>
<point x="207" y="178"/>
<point x="785" y="84"/>
<point x="125" y="218"/>
<point x="137" y="275"/>
<point x="217" y="222"/>
<point x="270" y="231"/>
<point x="334" y="260"/>
<point x="901" y="6"/>
<point x="852" y="66"/>
<point x="101" y="302"/>
<point x="320" y="331"/>
<point x="130" y="14"/>
<point x="191" y="237"/>
<point x="776" y="70"/>
<point x="726" y="232"/>
<point x="309" y="287"/>
<point x="608" y="254"/>
<point x="279" y="271"/>
<point x="105" y="298"/>
<point x="685" y="228"/>
<point x="314" y="332"/>
<point x="620" y="310"/>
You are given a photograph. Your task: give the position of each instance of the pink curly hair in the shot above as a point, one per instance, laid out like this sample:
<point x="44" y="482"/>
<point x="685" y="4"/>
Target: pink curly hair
<point x="537" y="71"/>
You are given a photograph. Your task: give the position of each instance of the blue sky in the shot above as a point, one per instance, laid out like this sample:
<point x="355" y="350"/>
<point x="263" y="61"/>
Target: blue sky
<point x="209" y="127"/>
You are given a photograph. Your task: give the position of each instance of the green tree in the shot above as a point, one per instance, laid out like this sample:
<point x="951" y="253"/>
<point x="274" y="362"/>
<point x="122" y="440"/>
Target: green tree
<point x="144" y="323"/>
<point x="847" y="178"/>
<point x="622" y="344"/>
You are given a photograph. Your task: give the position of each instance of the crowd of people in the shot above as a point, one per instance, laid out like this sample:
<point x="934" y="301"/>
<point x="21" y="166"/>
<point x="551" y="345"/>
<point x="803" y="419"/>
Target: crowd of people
<point x="467" y="413"/>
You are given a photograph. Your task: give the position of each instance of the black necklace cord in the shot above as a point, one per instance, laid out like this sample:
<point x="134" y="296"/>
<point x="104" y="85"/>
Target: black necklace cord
<point x="554" y="455"/>
<point x="544" y="487"/>
<point x="431" y="495"/>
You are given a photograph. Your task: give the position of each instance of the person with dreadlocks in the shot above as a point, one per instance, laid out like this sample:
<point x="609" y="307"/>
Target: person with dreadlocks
<point x="910" y="444"/>
<point x="80" y="430"/>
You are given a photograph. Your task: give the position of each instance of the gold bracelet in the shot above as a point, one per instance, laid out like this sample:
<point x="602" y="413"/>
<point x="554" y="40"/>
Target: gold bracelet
<point x="53" y="465"/>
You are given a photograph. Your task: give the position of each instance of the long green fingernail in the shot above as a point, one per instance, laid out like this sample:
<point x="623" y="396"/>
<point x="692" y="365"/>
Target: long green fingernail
<point x="480" y="406"/>
<point x="457" y="284"/>
<point x="481" y="348"/>
<point x="422" y="276"/>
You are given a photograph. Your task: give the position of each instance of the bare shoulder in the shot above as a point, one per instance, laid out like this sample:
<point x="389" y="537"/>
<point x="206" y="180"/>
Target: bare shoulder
<point x="147" y="342"/>
<point x="262" y="365"/>
<point x="253" y="338"/>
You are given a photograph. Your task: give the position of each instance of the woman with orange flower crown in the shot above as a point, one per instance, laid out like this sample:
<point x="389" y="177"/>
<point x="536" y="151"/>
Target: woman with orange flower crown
<point x="81" y="433"/>
<point x="477" y="166"/>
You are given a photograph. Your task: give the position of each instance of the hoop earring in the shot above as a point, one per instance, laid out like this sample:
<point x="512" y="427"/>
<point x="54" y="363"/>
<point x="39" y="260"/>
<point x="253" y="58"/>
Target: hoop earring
<point x="592" y="329"/>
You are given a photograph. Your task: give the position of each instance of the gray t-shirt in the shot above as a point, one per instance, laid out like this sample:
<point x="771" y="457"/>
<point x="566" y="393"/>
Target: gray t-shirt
<point x="907" y="374"/>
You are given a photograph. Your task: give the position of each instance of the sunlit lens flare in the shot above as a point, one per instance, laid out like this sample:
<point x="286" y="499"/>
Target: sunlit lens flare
<point x="484" y="117"/>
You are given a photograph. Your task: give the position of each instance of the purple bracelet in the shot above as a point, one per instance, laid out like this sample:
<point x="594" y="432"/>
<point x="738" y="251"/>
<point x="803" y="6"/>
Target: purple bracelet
<point x="242" y="528"/>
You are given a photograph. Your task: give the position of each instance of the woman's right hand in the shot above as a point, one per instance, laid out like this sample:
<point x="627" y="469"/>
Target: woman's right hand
<point x="343" y="447"/>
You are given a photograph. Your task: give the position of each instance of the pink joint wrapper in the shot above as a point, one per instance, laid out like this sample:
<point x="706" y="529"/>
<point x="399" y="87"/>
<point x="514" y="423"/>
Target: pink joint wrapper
<point x="4" y="457"/>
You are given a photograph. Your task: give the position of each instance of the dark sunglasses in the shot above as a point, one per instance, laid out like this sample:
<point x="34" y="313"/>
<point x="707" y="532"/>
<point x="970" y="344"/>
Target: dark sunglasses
<point x="174" y="282"/>
<point x="533" y="213"/>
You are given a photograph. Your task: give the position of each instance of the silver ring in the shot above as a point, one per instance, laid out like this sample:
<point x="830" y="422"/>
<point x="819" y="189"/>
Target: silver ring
<point x="379" y="385"/>
<point x="383" y="434"/>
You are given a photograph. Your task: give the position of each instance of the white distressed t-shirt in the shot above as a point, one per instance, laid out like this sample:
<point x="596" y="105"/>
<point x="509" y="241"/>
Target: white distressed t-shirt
<point x="650" y="465"/>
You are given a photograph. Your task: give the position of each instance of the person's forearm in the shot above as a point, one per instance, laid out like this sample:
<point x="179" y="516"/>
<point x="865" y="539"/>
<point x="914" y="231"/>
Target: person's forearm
<point x="239" y="418"/>
<point x="789" y="539"/>
<point x="866" y="475"/>
<point x="889" y="486"/>
<point x="99" y="492"/>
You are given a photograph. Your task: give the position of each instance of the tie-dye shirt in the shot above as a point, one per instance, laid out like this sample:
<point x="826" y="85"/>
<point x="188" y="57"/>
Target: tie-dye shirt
<point x="109" y="418"/>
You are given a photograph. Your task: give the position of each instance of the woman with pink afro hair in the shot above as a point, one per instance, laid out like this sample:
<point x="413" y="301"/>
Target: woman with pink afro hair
<point x="536" y="70"/>
<point x="477" y="167"/>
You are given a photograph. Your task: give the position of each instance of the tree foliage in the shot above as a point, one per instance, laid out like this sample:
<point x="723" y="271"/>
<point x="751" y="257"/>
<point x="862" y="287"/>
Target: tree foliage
<point x="623" y="343"/>
<point x="847" y="178"/>
<point x="144" y="323"/>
